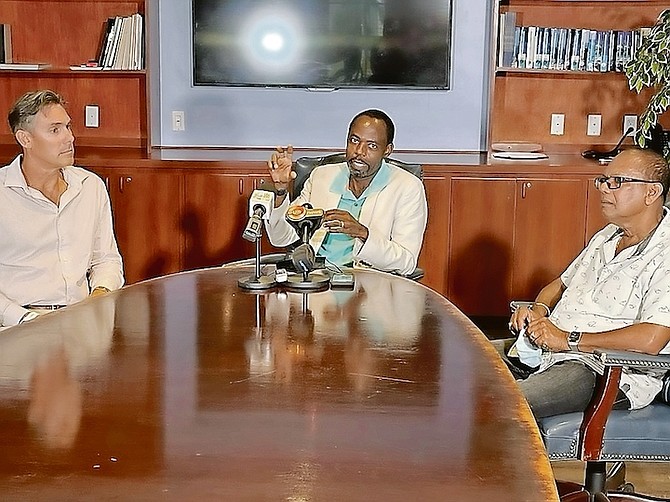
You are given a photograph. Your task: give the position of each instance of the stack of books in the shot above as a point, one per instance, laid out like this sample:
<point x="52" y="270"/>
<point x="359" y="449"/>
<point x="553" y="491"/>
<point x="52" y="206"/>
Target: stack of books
<point x="5" y="43"/>
<point x="572" y="49"/>
<point x="122" y="44"/>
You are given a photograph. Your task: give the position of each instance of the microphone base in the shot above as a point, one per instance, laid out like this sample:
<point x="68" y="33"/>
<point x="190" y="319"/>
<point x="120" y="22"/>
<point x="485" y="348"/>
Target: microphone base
<point x="316" y="281"/>
<point x="257" y="283"/>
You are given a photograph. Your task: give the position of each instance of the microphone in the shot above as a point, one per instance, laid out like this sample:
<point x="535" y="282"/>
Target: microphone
<point x="304" y="258"/>
<point x="261" y="203"/>
<point x="592" y="154"/>
<point x="305" y="220"/>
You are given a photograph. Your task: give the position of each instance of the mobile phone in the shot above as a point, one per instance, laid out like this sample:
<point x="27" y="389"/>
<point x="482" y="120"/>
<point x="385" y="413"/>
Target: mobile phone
<point x="342" y="281"/>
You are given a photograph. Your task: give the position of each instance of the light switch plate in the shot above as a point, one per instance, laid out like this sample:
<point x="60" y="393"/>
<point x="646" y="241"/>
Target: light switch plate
<point x="593" y="125"/>
<point x="92" y="116"/>
<point x="557" y="124"/>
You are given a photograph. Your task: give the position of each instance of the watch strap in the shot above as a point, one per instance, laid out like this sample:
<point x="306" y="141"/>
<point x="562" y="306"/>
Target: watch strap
<point x="573" y="340"/>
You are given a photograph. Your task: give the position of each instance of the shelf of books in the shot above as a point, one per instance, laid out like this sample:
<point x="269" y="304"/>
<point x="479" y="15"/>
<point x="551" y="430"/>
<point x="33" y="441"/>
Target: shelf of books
<point x="563" y="48"/>
<point x="91" y="52"/>
<point x="564" y="57"/>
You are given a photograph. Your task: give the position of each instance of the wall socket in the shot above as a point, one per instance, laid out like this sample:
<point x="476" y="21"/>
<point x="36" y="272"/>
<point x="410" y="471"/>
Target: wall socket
<point x="628" y="122"/>
<point x="593" y="125"/>
<point x="92" y="116"/>
<point x="557" y="124"/>
<point x="178" y="121"/>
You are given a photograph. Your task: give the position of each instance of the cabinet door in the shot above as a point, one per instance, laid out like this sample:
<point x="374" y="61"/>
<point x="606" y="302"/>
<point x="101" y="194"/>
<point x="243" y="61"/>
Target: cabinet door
<point x="215" y="214"/>
<point x="146" y="209"/>
<point x="549" y="232"/>
<point x="433" y="257"/>
<point x="480" y="251"/>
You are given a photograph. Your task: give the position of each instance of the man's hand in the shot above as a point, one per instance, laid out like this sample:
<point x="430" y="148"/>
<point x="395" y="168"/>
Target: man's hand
<point x="281" y="166"/>
<point x="522" y="317"/>
<point x="544" y="334"/>
<point x="341" y="222"/>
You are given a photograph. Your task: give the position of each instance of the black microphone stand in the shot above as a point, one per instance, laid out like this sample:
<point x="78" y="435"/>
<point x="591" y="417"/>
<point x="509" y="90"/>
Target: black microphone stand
<point x="310" y="279"/>
<point x="257" y="282"/>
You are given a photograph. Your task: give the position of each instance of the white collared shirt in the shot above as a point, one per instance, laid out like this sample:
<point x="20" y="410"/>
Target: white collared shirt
<point x="54" y="254"/>
<point x="607" y="291"/>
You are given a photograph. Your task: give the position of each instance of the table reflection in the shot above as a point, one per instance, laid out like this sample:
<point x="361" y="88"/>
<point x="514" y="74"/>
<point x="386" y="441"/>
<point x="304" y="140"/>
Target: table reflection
<point x="363" y="341"/>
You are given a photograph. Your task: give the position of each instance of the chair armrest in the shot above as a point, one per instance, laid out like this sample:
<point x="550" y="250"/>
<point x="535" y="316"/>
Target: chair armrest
<point x="633" y="359"/>
<point x="592" y="429"/>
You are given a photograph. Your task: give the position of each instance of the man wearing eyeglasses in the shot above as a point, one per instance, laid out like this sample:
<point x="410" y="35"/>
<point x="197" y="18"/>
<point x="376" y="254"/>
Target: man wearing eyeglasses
<point x="614" y="295"/>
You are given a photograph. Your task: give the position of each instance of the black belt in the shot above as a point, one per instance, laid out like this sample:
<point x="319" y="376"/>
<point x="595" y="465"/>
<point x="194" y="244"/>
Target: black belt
<point x="43" y="307"/>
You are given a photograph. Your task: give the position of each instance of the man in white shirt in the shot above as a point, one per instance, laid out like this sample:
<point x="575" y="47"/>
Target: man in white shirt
<point x="57" y="242"/>
<point x="614" y="295"/>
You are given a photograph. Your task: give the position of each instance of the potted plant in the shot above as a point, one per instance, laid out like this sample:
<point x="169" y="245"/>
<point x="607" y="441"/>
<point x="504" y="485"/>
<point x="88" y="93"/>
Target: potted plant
<point x="650" y="67"/>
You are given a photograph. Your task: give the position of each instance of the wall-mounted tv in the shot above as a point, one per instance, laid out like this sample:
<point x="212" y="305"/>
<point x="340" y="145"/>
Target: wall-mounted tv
<point x="395" y="44"/>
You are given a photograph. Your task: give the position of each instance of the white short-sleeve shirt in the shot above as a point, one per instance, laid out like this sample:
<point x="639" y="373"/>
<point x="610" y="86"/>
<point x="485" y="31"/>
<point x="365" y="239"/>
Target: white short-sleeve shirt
<point x="605" y="291"/>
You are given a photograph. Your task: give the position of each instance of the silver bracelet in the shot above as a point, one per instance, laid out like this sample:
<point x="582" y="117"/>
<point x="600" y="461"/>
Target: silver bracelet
<point x="546" y="307"/>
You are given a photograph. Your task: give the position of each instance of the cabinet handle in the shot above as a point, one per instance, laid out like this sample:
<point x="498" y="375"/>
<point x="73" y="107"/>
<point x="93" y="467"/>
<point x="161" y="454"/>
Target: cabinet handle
<point x="240" y="186"/>
<point x="525" y="186"/>
<point x="122" y="182"/>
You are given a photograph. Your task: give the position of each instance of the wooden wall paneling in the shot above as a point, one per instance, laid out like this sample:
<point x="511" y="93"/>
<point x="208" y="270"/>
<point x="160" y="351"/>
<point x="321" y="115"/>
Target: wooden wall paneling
<point x="524" y="102"/>
<point x="120" y="97"/>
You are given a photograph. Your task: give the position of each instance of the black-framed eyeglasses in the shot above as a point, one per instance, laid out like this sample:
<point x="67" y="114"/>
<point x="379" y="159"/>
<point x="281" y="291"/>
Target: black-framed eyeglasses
<point x="614" y="182"/>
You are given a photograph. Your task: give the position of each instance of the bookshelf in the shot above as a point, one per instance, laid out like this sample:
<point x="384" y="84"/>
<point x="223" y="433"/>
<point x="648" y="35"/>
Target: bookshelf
<point x="62" y="33"/>
<point x="523" y="100"/>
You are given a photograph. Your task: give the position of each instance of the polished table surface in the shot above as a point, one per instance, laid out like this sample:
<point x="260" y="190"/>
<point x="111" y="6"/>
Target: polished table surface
<point x="188" y="388"/>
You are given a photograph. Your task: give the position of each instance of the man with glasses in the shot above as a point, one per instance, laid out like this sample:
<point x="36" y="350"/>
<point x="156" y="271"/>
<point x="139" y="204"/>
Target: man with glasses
<point x="614" y="295"/>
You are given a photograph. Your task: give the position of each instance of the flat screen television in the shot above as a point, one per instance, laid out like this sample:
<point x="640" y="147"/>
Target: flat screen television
<point x="395" y="44"/>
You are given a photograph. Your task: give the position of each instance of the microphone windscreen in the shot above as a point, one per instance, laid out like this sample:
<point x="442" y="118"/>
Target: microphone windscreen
<point x="303" y="258"/>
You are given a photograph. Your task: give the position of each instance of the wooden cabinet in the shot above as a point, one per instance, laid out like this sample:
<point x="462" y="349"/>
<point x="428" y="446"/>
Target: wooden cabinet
<point x="169" y="220"/>
<point x="68" y="32"/>
<point x="523" y="100"/>
<point x="433" y="257"/>
<point x="148" y="221"/>
<point x="510" y="237"/>
<point x="215" y="212"/>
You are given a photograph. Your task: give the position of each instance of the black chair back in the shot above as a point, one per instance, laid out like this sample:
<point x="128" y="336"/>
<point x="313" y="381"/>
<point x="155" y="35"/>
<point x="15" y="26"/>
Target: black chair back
<point x="303" y="167"/>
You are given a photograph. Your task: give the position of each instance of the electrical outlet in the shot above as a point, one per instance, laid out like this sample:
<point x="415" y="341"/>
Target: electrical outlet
<point x="92" y="116"/>
<point x="178" y="121"/>
<point x="594" y="123"/>
<point x="628" y="122"/>
<point x="557" y="124"/>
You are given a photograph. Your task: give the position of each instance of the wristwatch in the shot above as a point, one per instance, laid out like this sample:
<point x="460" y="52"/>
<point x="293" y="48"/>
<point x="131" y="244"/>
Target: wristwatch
<point x="573" y="340"/>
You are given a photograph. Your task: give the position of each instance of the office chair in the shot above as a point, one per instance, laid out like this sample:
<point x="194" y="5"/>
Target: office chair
<point x="303" y="167"/>
<point x="601" y="434"/>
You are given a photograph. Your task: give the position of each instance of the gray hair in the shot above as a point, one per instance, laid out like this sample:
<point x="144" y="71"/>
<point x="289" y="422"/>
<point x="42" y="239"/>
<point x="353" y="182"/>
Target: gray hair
<point x="30" y="104"/>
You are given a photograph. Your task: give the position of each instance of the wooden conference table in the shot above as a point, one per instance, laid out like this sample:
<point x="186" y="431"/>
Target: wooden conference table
<point x="188" y="388"/>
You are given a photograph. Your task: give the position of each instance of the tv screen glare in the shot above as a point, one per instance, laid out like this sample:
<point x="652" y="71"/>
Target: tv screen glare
<point x="322" y="43"/>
